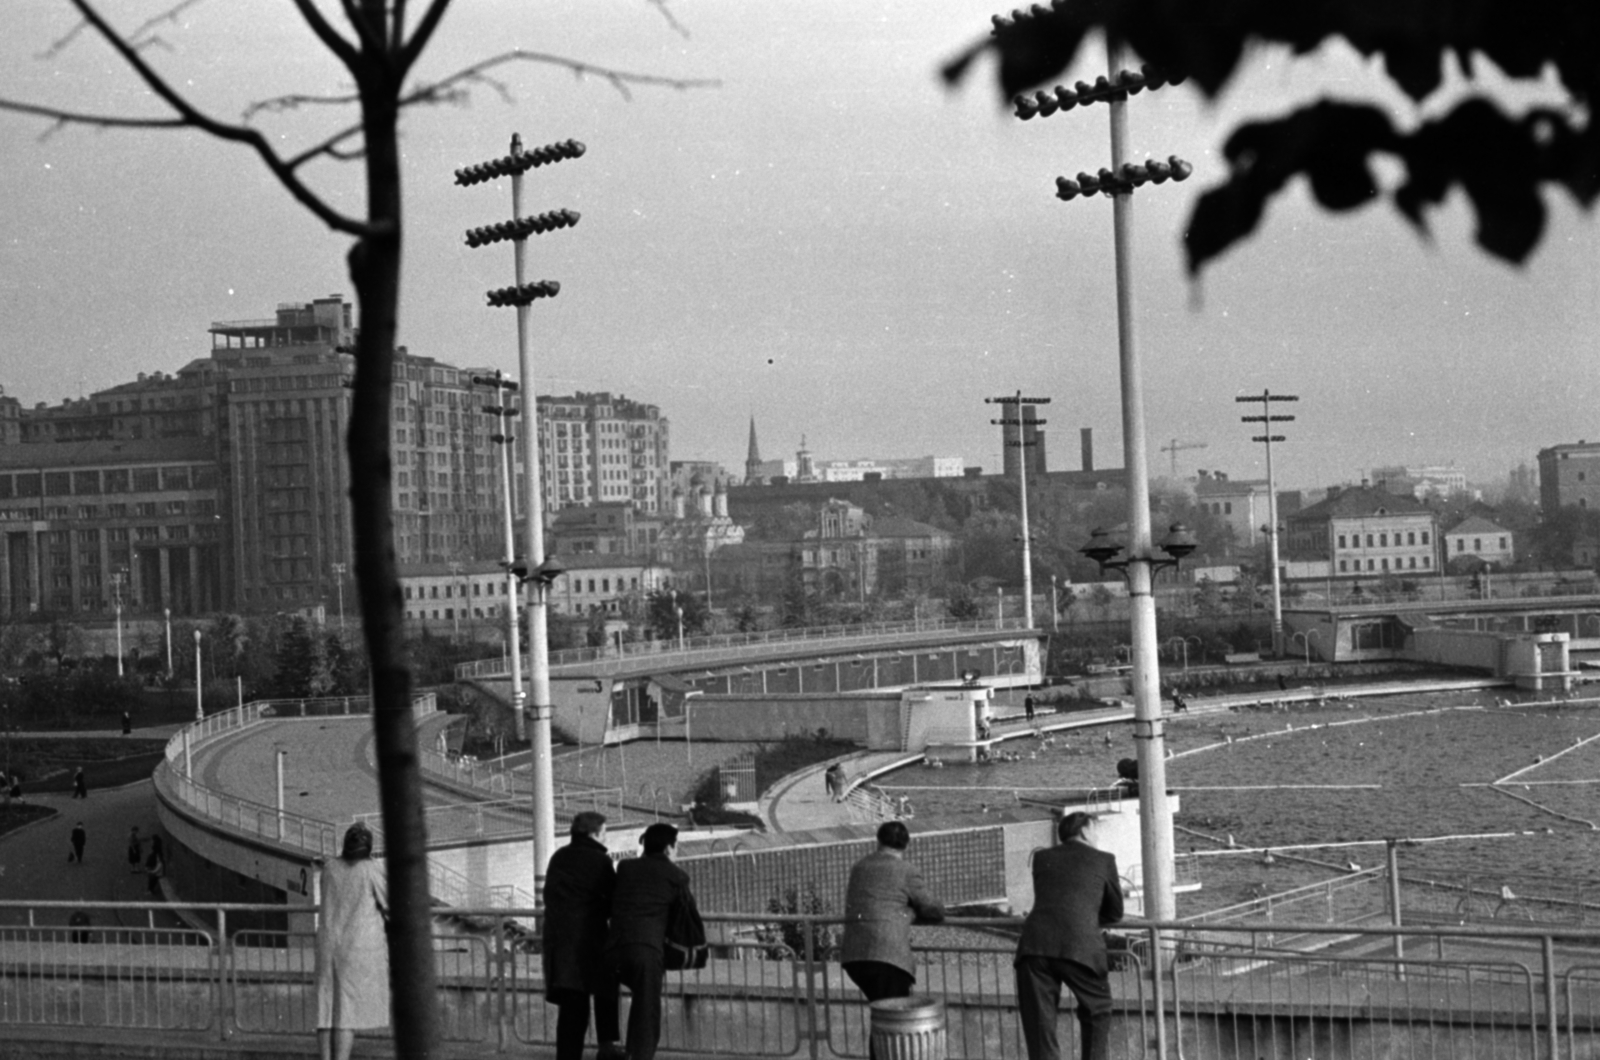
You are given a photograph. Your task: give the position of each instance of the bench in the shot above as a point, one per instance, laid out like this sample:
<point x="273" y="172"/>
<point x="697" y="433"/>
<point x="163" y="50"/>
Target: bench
<point x="1240" y="658"/>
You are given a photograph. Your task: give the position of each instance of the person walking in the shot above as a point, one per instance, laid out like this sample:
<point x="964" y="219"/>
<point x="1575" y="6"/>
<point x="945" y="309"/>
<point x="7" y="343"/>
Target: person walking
<point x="78" y="839"/>
<point x="352" y="947"/>
<point x="135" y="851"/>
<point x="80" y="786"/>
<point x="155" y="866"/>
<point x="884" y="897"/>
<point x="1027" y="707"/>
<point x="1076" y="892"/>
<point x="577" y="905"/>
<point x="647" y="888"/>
<point x="835" y="780"/>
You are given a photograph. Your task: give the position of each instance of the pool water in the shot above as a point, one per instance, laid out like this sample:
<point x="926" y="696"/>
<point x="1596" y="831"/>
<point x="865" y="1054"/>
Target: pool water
<point x="1347" y="772"/>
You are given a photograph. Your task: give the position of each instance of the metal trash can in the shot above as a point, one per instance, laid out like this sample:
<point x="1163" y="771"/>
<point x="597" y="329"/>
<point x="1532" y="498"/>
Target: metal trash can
<point x="909" y="1028"/>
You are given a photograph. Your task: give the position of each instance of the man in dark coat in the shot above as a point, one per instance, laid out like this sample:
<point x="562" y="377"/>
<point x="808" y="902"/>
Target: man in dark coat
<point x="1076" y="892"/>
<point x="884" y="896"/>
<point x="646" y="889"/>
<point x="577" y="905"/>
<point x="78" y="838"/>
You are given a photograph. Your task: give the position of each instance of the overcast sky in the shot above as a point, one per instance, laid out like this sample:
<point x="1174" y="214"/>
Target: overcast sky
<point x="829" y="241"/>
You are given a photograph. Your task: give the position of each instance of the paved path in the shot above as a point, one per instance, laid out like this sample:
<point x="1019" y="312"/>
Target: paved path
<point x="33" y="859"/>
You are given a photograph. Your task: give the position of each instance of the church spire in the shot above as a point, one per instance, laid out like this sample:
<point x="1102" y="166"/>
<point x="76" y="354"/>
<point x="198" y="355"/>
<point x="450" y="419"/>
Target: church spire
<point x="752" y="460"/>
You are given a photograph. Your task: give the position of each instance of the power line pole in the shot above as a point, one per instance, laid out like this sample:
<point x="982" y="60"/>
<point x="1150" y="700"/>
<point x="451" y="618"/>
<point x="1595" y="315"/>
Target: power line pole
<point x="1012" y="416"/>
<point x="1267" y="419"/>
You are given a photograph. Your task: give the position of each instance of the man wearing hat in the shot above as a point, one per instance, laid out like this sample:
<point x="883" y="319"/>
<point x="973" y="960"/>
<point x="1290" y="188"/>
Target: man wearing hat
<point x="1076" y="892"/>
<point x="645" y="892"/>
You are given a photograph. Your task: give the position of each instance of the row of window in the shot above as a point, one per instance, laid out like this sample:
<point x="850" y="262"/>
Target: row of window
<point x="1477" y="544"/>
<point x="1412" y="538"/>
<point x="117" y="480"/>
<point x="1345" y="566"/>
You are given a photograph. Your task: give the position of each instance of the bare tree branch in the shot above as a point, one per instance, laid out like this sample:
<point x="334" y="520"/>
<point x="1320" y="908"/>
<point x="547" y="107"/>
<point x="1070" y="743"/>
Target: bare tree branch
<point x="424" y="32"/>
<point x="193" y="117"/>
<point x="358" y="21"/>
<point x="326" y="33"/>
<point x="618" y="79"/>
<point x="103" y="121"/>
<point x="672" y="21"/>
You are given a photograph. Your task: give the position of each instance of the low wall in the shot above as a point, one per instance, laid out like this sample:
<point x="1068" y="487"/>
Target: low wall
<point x="859" y="718"/>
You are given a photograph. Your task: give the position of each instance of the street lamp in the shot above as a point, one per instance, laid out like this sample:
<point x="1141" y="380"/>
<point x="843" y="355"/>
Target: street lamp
<point x="1304" y="637"/>
<point x="199" y="688"/>
<point x="167" y="613"/>
<point x="679" y="610"/>
<point x="117" y="578"/>
<point x="522" y="295"/>
<point x="338" y="574"/>
<point x="1055" y="605"/>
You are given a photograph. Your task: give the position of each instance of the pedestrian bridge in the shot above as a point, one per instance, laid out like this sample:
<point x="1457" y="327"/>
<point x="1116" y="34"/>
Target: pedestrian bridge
<point x="639" y="689"/>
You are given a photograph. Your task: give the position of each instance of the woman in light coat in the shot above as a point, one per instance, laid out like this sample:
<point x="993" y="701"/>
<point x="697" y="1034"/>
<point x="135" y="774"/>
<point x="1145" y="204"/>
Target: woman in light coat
<point x="352" y="947"/>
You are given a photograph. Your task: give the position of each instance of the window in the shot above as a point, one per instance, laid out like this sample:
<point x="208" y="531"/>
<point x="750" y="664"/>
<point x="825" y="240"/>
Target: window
<point x="1341" y="541"/>
<point x="1342" y="566"/>
<point x="1227" y="508"/>
<point x="1369" y="564"/>
<point x="1369" y="545"/>
<point x="1502" y="544"/>
<point x="1383" y="540"/>
<point x="1477" y="544"/>
<point x="1424" y="537"/>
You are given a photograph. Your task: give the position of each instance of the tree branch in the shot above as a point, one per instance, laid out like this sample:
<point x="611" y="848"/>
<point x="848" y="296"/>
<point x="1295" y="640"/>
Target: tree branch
<point x="326" y="33"/>
<point x="194" y="118"/>
<point x="104" y="121"/>
<point x="419" y="39"/>
<point x="439" y="91"/>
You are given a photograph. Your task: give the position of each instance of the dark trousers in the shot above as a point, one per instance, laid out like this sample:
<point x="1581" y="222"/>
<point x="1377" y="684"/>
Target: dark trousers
<point x="1039" y="982"/>
<point x="572" y="1019"/>
<point x="639" y="968"/>
<point x="878" y="980"/>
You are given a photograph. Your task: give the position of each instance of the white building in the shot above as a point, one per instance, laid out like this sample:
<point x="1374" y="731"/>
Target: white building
<point x="1477" y="536"/>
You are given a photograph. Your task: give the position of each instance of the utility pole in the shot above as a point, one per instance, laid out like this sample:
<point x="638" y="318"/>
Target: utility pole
<point x="1012" y="416"/>
<point x="504" y="410"/>
<point x="522" y="295"/>
<point x="1267" y="419"/>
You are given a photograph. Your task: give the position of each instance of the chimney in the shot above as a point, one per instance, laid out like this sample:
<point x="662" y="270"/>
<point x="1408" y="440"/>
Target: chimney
<point x="1086" y="444"/>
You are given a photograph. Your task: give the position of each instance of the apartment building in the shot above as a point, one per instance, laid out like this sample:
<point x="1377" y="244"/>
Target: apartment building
<point x="598" y="449"/>
<point x="1569" y="477"/>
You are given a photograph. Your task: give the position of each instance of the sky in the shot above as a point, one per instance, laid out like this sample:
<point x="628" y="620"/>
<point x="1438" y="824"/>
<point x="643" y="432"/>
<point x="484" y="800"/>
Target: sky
<point x="828" y="239"/>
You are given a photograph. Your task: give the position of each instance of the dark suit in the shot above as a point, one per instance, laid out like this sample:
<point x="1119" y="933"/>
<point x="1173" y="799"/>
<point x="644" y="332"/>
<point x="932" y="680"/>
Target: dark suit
<point x="577" y="905"/>
<point x="1076" y="891"/>
<point x="884" y="896"/>
<point x="646" y="889"/>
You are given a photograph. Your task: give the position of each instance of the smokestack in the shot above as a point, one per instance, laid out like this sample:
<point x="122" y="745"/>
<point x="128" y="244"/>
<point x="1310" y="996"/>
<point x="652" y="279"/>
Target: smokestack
<point x="1086" y="442"/>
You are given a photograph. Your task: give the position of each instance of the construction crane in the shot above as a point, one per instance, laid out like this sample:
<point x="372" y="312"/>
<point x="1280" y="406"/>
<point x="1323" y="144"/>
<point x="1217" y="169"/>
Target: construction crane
<point x="1176" y="447"/>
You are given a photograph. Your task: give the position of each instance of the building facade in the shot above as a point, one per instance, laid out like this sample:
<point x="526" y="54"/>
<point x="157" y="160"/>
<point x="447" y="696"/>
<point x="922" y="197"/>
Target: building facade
<point x="1365" y="532"/>
<point x="1569" y="477"/>
<point x="601" y="449"/>
<point x="226" y="485"/>
<point x="1482" y="539"/>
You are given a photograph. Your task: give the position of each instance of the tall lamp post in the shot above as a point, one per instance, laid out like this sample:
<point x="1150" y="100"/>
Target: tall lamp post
<point x="338" y="576"/>
<point x="1118" y="182"/>
<point x="522" y="295"/>
<point x="167" y="614"/>
<point x="1267" y="419"/>
<point x="199" y="686"/>
<point x="1013" y="421"/>
<point x="117" y="580"/>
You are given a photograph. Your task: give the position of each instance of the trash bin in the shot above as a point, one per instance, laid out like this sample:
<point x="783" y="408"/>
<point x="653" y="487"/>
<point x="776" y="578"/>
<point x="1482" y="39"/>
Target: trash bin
<point x="908" y="1028"/>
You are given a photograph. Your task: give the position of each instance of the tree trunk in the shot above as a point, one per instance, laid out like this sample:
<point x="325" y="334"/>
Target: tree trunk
<point x="375" y="270"/>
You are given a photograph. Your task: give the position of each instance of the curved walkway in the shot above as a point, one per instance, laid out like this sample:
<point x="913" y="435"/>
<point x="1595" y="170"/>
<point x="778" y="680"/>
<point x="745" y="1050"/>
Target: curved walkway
<point x="801" y="802"/>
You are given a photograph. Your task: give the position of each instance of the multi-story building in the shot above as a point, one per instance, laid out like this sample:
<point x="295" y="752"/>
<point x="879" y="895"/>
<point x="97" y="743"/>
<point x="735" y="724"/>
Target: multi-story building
<point x="1421" y="480"/>
<point x="1362" y="531"/>
<point x="1569" y="477"/>
<point x="606" y="583"/>
<point x="599" y="448"/>
<point x="87" y="524"/>
<point x="1481" y="538"/>
<point x="616" y="529"/>
<point x="1242" y="505"/>
<point x="225" y="485"/>
<point x="848" y="556"/>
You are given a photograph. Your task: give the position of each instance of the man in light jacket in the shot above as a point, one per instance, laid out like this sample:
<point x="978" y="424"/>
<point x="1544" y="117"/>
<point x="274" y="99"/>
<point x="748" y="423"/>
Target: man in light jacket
<point x="1076" y="892"/>
<point x="886" y="894"/>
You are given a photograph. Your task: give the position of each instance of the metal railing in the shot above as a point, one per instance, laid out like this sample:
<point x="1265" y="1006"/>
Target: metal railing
<point x="774" y="987"/>
<point x="732" y="647"/>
